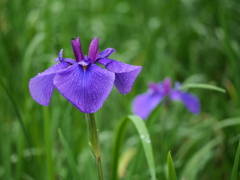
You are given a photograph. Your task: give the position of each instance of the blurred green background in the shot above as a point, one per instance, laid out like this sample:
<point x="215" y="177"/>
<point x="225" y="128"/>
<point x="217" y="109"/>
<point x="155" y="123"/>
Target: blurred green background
<point x="195" y="41"/>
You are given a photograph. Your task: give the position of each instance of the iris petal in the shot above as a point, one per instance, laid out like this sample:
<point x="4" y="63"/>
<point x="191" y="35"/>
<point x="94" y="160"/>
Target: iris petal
<point x="125" y="74"/>
<point x="145" y="103"/>
<point x="105" y="53"/>
<point x="60" y="56"/>
<point x="61" y="59"/>
<point x="93" y="50"/>
<point x="167" y="85"/>
<point x="189" y="100"/>
<point x="175" y="95"/>
<point x="41" y="86"/>
<point x="77" y="49"/>
<point x="69" y="60"/>
<point x="85" y="89"/>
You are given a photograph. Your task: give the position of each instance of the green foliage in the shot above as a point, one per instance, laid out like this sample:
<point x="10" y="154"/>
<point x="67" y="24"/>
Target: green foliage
<point x="235" y="166"/>
<point x="193" y="42"/>
<point x="145" y="141"/>
<point x="171" y="168"/>
<point x="69" y="155"/>
<point x="203" y="86"/>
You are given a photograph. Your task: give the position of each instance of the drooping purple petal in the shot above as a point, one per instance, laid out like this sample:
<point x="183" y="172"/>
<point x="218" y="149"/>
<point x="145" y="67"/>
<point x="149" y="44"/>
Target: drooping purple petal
<point x="93" y="50"/>
<point x="77" y="49"/>
<point x="191" y="102"/>
<point x="144" y="104"/>
<point x="105" y="53"/>
<point x="125" y="81"/>
<point x="116" y="66"/>
<point x="85" y="89"/>
<point x="125" y="74"/>
<point x="41" y="86"/>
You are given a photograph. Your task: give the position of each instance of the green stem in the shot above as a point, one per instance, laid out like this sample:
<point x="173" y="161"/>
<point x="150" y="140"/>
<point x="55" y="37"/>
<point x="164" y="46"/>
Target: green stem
<point x="93" y="136"/>
<point x="48" y="144"/>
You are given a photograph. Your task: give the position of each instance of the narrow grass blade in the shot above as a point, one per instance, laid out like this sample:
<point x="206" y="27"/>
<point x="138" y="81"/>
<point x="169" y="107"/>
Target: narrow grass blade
<point x="235" y="166"/>
<point x="18" y="114"/>
<point x="171" y="168"/>
<point x="145" y="140"/>
<point x="48" y="145"/>
<point x="27" y="59"/>
<point x="199" y="159"/>
<point x="203" y="86"/>
<point x="69" y="155"/>
<point x="228" y="122"/>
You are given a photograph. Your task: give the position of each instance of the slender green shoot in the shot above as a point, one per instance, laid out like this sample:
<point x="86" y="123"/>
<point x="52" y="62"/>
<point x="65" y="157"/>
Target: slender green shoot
<point x="171" y="168"/>
<point x="93" y="136"/>
<point x="235" y="166"/>
<point x="203" y="86"/>
<point x="145" y="140"/>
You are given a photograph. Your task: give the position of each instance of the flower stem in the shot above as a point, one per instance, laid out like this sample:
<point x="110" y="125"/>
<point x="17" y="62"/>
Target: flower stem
<point x="93" y="136"/>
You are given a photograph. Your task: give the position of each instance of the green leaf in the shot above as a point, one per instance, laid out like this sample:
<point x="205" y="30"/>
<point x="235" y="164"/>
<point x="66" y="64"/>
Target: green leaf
<point x="70" y="158"/>
<point x="48" y="145"/>
<point x="145" y="140"/>
<point x="200" y="158"/>
<point x="235" y="166"/>
<point x="228" y="122"/>
<point x="203" y="86"/>
<point x="171" y="168"/>
<point x="17" y="111"/>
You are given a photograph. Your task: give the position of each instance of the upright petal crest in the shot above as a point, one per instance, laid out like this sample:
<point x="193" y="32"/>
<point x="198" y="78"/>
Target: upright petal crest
<point x="93" y="50"/>
<point x="167" y="85"/>
<point x="60" y="56"/>
<point x="105" y="53"/>
<point x="77" y="49"/>
<point x="154" y="87"/>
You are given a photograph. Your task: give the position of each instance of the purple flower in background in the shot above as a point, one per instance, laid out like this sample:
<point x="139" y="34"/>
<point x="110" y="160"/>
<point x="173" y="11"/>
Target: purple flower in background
<point x="144" y="104"/>
<point x="82" y="82"/>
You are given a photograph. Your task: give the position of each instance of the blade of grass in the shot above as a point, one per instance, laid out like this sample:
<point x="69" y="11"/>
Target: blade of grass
<point x="47" y="137"/>
<point x="235" y="165"/>
<point x="171" y="168"/>
<point x="145" y="140"/>
<point x="17" y="113"/>
<point x="153" y="117"/>
<point x="203" y="86"/>
<point x="7" y="157"/>
<point x="229" y="50"/>
<point x="199" y="159"/>
<point x="228" y="122"/>
<point x="70" y="158"/>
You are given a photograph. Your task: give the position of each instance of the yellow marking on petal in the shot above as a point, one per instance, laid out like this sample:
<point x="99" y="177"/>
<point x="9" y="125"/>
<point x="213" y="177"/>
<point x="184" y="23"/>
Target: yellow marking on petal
<point x="84" y="68"/>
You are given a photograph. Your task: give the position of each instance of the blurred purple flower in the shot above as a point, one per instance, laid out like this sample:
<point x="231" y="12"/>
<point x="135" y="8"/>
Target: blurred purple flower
<point x="144" y="104"/>
<point x="82" y="82"/>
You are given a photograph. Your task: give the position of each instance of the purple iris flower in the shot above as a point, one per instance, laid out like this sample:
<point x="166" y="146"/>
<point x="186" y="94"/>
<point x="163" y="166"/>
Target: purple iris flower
<point x="144" y="104"/>
<point x="82" y="82"/>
